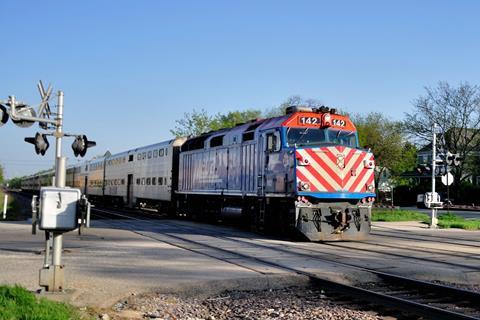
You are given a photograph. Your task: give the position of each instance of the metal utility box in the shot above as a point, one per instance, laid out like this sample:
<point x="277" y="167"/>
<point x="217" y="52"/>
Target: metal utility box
<point x="58" y="208"/>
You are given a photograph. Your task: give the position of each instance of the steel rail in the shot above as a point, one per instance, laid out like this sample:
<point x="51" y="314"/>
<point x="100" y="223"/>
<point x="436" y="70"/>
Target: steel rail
<point x="358" y="293"/>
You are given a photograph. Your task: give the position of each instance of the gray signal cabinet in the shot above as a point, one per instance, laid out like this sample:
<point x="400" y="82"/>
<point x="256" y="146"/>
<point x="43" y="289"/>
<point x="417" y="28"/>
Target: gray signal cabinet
<point x="58" y="208"/>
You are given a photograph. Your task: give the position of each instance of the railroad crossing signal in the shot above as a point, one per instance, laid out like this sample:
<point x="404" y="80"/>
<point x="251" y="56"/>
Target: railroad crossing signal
<point x="81" y="144"/>
<point x="23" y="111"/>
<point x="424" y="168"/>
<point x="454" y="159"/>
<point x="40" y="142"/>
<point x="51" y="275"/>
<point x="3" y="115"/>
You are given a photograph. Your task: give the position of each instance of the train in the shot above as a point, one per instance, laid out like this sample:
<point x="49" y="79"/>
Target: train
<point x="303" y="171"/>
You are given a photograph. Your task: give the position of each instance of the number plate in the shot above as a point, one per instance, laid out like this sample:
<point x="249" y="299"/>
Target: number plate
<point x="339" y="122"/>
<point x="309" y="120"/>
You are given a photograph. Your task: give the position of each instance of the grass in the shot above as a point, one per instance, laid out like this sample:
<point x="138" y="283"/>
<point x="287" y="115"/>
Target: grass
<point x="16" y="303"/>
<point x="398" y="215"/>
<point x="449" y="220"/>
<point x="445" y="221"/>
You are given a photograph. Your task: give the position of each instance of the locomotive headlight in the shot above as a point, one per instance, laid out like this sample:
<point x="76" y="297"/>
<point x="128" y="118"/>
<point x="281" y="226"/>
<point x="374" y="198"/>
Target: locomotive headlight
<point x="371" y="187"/>
<point x="304" y="186"/>
<point x="369" y="164"/>
<point x="302" y="161"/>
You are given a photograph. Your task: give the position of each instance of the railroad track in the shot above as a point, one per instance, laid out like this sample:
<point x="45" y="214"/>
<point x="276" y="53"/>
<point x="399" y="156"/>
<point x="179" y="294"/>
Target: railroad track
<point x="425" y="237"/>
<point x="391" y="294"/>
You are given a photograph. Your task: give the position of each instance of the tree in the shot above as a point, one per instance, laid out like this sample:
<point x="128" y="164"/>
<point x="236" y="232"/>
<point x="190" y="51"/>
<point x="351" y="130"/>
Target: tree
<point x="456" y="111"/>
<point x="385" y="139"/>
<point x="292" y="101"/>
<point x="192" y="124"/>
<point x="1" y="174"/>
<point x="233" y="118"/>
<point x="15" y="183"/>
<point x="198" y="122"/>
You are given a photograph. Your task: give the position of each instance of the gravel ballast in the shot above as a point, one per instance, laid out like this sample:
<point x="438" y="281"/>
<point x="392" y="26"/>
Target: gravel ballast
<point x="290" y="303"/>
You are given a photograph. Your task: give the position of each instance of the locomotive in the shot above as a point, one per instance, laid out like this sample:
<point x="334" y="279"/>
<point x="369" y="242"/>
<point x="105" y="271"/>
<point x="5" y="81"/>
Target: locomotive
<point x="302" y="171"/>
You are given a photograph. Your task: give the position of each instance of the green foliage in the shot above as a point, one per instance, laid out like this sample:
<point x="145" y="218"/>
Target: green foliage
<point x="450" y="220"/>
<point x="386" y="140"/>
<point x="233" y="118"/>
<point x="398" y="215"/>
<point x="198" y="122"/>
<point x="456" y="111"/>
<point x="1" y="174"/>
<point x="292" y="101"/>
<point x="445" y="220"/>
<point x="16" y="303"/>
<point x="192" y="124"/>
<point x="15" y="183"/>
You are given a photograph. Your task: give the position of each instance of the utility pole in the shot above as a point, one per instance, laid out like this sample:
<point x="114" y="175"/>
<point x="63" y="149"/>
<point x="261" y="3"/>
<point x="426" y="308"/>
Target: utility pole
<point x="433" y="219"/>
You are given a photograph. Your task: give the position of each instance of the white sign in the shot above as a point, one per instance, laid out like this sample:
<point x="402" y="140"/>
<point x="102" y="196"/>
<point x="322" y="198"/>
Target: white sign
<point x="447" y="179"/>
<point x="432" y="200"/>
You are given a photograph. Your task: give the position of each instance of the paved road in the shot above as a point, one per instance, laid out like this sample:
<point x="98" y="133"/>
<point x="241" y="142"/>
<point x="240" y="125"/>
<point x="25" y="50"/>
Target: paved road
<point x="465" y="214"/>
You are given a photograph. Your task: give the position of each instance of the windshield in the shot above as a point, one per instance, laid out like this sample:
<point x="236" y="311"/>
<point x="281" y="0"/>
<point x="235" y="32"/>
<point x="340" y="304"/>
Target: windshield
<point x="344" y="138"/>
<point x="311" y="136"/>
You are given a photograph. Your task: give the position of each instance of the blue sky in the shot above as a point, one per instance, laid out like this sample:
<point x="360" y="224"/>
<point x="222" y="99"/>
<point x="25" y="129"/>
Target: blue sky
<point x="130" y="68"/>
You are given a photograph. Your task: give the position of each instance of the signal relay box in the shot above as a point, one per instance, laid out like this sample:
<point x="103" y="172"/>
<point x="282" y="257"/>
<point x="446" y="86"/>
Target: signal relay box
<point x="58" y="208"/>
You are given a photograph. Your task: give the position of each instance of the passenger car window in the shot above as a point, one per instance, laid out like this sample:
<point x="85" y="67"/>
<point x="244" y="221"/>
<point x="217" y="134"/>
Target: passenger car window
<point x="154" y="181"/>
<point x="160" y="152"/>
<point x="149" y="154"/>
<point x="143" y="181"/>
<point x="149" y="181"/>
<point x="155" y="153"/>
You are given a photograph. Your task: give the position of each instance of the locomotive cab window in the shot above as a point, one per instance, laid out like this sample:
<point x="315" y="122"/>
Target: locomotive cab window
<point x="300" y="137"/>
<point x="341" y="137"/>
<point x="273" y="141"/>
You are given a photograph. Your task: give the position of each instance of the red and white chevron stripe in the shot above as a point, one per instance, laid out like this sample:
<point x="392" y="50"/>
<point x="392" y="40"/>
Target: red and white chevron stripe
<point x="335" y="169"/>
